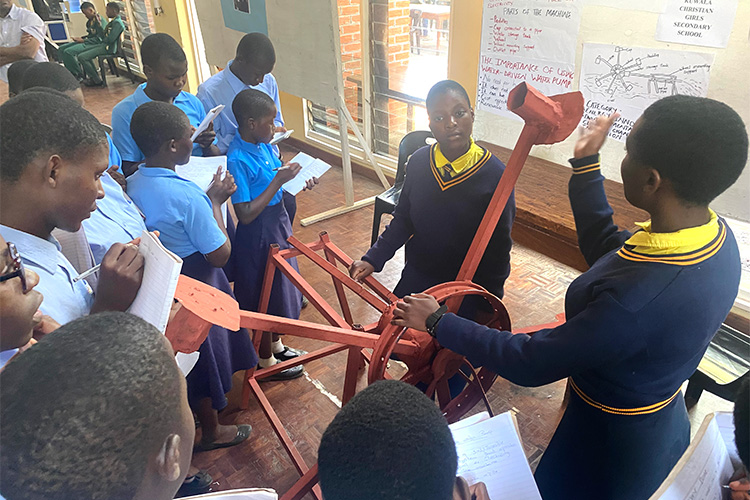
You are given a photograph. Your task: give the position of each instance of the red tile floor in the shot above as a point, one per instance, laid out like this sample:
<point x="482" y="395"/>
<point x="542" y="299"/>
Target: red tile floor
<point x="534" y="294"/>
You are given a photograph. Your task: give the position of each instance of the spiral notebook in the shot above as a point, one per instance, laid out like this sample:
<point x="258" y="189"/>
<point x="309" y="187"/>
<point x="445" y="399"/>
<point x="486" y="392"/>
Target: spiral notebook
<point x="160" y="274"/>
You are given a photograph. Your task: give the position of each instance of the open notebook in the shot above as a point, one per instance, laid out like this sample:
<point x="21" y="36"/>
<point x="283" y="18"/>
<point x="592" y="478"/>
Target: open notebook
<point x="160" y="274"/>
<point x="311" y="167"/>
<point x="490" y="451"/>
<point x="201" y="171"/>
<point x="705" y="466"/>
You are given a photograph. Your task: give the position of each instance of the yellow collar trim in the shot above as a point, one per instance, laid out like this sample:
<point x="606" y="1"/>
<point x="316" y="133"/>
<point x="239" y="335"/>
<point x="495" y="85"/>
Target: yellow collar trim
<point x="684" y="248"/>
<point x="466" y="160"/>
<point x="679" y="242"/>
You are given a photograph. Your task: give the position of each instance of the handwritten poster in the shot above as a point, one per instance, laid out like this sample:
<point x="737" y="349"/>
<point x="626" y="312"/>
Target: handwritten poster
<point x="697" y="22"/>
<point x="629" y="79"/>
<point x="526" y="40"/>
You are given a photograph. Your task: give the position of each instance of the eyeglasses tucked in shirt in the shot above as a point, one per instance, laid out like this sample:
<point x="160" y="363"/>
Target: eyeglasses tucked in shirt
<point x="18" y="269"/>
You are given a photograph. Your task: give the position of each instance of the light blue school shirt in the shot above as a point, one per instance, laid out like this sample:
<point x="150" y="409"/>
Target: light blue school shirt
<point x="178" y="209"/>
<point x="123" y="112"/>
<point x="114" y="154"/>
<point x="252" y="167"/>
<point x="115" y="220"/>
<point x="221" y="89"/>
<point x="4" y="358"/>
<point x="64" y="300"/>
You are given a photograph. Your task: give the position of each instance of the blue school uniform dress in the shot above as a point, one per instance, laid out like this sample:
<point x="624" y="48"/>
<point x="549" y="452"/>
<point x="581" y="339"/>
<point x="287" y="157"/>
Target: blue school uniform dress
<point x="638" y="323"/>
<point x="437" y="217"/>
<point x="123" y="112"/>
<point x="252" y="167"/>
<point x="115" y="220"/>
<point x="183" y="215"/>
<point x="64" y="300"/>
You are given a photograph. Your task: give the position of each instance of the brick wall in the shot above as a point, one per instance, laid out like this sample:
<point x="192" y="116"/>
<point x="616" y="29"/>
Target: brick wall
<point x="351" y="52"/>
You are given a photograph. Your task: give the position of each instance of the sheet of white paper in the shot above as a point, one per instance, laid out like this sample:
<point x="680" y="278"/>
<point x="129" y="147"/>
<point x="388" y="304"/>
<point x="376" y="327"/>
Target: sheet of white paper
<point x="280" y="136"/>
<point x="526" y="40"/>
<point x="702" y="470"/>
<point x="210" y="116"/>
<point x="186" y="362"/>
<point x="491" y="452"/>
<point x="311" y="167"/>
<point x="469" y="421"/>
<point x="725" y="421"/>
<point x="697" y="23"/>
<point x="242" y="494"/>
<point x="160" y="273"/>
<point x="201" y="171"/>
<point x="645" y="5"/>
<point x="629" y="79"/>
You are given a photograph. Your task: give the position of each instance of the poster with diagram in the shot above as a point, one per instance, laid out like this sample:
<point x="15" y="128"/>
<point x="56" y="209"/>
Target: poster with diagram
<point x="629" y="79"/>
<point x="526" y="40"/>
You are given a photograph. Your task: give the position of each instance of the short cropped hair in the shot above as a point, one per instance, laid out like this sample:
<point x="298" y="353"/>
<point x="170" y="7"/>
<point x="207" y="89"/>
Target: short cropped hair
<point x="160" y="46"/>
<point x="699" y="144"/>
<point x="742" y="422"/>
<point x="443" y="87"/>
<point x="155" y="123"/>
<point x="87" y="5"/>
<point x="115" y="5"/>
<point x="389" y="442"/>
<point x="251" y="103"/>
<point x="257" y="49"/>
<point x="16" y="72"/>
<point x="50" y="75"/>
<point x="44" y="121"/>
<point x="85" y="408"/>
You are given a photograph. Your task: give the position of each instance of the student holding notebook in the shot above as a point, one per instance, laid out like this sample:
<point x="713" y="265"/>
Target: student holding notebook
<point x="50" y="178"/>
<point x="640" y="319"/>
<point x="191" y="226"/>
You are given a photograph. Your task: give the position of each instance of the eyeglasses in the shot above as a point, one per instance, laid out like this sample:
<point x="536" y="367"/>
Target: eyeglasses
<point x="18" y="269"/>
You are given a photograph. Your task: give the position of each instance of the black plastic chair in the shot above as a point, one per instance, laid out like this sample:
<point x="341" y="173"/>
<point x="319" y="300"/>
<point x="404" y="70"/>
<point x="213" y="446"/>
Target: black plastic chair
<point x="386" y="202"/>
<point x="111" y="60"/>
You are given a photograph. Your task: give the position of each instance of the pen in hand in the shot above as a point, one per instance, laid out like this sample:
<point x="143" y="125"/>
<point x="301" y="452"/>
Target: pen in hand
<point x="86" y="274"/>
<point x="285" y="167"/>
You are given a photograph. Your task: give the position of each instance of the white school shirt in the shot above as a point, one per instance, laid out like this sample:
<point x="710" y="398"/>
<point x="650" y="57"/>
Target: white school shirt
<point x="17" y="21"/>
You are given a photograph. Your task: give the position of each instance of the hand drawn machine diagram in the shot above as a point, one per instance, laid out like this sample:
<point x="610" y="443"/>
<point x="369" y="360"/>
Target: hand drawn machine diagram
<point x="620" y="74"/>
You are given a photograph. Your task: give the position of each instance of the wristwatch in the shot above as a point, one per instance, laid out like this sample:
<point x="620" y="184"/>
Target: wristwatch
<point x="433" y="319"/>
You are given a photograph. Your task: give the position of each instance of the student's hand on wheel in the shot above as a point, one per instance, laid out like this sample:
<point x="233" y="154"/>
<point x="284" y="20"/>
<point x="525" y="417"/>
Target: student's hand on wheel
<point x="413" y="310"/>
<point x="206" y="138"/>
<point x="360" y="270"/>
<point x="118" y="177"/>
<point x="119" y="278"/>
<point x="593" y="136"/>
<point x="287" y="173"/>
<point x="221" y="189"/>
<point x="310" y="183"/>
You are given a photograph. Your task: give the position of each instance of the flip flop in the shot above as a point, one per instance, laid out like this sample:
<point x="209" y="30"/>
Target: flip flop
<point x="243" y="432"/>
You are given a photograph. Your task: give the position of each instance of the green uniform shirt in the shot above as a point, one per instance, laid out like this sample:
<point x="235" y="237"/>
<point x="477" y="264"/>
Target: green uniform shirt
<point x="112" y="33"/>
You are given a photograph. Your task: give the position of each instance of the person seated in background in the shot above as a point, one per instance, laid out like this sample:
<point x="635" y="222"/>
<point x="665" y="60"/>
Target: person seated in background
<point x="15" y="75"/>
<point x="165" y="67"/>
<point x="108" y="44"/>
<point x="740" y="486"/>
<point x="20" y="317"/>
<point x="391" y="441"/>
<point x="21" y="36"/>
<point x="641" y="318"/>
<point x="90" y="419"/>
<point x="67" y="53"/>
<point x="191" y="225"/>
<point x="52" y="155"/>
<point x="116" y="218"/>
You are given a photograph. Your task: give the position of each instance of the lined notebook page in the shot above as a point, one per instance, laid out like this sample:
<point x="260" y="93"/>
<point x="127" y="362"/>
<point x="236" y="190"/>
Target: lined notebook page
<point x="160" y="275"/>
<point x="311" y="167"/>
<point x="201" y="171"/>
<point x="490" y="451"/>
<point x="702" y="470"/>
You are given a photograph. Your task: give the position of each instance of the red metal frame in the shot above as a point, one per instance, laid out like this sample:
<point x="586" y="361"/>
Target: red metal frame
<point x="548" y="120"/>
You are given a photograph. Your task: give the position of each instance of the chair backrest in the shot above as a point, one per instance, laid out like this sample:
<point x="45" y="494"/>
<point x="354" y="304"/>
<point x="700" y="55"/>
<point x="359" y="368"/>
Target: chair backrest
<point x="409" y="144"/>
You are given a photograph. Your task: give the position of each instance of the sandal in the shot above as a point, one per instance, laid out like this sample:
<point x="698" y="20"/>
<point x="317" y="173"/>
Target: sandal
<point x="198" y="484"/>
<point x="243" y="432"/>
